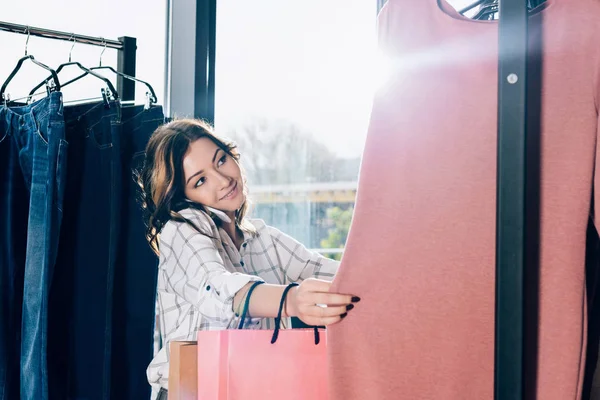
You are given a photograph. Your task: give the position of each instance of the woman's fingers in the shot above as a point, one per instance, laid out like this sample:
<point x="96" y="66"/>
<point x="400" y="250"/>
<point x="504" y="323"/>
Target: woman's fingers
<point x="324" y="298"/>
<point x="316" y="306"/>
<point x="316" y="285"/>
<point x="323" y="312"/>
<point x="319" y="316"/>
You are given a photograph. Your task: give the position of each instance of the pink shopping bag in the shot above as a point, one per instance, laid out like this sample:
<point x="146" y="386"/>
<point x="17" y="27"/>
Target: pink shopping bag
<point x="244" y="365"/>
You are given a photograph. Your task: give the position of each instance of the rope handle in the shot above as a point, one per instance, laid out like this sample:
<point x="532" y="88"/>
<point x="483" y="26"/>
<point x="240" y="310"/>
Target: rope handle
<point x="278" y="319"/>
<point x="247" y="303"/>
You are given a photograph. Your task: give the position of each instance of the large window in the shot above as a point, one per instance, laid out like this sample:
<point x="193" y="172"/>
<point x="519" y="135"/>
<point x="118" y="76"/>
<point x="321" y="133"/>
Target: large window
<point x="109" y="19"/>
<point x="294" y="86"/>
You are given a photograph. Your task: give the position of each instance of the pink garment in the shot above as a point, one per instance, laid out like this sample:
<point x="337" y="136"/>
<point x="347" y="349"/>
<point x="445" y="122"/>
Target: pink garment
<point x="421" y="250"/>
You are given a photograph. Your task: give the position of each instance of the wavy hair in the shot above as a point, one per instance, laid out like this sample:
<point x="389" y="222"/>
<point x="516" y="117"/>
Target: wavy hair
<point x="161" y="179"/>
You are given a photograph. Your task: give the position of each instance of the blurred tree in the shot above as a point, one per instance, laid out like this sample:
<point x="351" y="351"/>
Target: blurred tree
<point x="279" y="152"/>
<point x="339" y="220"/>
<point x="282" y="153"/>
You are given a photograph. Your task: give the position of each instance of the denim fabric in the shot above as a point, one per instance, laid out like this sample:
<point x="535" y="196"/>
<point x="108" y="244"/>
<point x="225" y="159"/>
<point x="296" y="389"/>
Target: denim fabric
<point x="81" y="299"/>
<point x="137" y="267"/>
<point x="38" y="135"/>
<point x="14" y="211"/>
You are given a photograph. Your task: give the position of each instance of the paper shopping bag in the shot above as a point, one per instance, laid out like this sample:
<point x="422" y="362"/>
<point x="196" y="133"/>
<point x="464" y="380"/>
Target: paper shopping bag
<point x="244" y="365"/>
<point x="183" y="371"/>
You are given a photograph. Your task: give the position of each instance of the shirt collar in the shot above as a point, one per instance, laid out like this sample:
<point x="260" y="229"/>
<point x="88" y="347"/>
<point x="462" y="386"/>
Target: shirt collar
<point x="226" y="240"/>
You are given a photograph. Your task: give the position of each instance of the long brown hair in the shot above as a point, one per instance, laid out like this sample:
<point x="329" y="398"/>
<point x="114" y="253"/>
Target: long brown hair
<point x="161" y="179"/>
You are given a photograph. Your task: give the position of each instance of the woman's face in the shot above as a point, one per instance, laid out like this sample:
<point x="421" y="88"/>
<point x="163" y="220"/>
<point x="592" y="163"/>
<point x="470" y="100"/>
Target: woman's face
<point x="212" y="177"/>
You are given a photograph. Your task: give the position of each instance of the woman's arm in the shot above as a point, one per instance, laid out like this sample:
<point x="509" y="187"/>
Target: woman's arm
<point x="193" y="269"/>
<point x="300" y="302"/>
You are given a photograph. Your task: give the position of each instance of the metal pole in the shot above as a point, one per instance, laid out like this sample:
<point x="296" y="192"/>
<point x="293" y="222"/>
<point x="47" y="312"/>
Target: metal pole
<point x="126" y="60"/>
<point x="204" y="91"/>
<point x="168" y="57"/>
<point x="52" y="34"/>
<point x="212" y="54"/>
<point x="510" y="240"/>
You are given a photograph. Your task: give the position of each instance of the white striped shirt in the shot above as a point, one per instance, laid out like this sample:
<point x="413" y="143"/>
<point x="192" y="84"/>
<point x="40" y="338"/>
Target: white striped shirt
<point x="199" y="275"/>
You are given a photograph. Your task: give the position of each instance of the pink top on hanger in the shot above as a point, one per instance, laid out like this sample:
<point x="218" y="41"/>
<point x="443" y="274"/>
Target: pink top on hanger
<point x="421" y="249"/>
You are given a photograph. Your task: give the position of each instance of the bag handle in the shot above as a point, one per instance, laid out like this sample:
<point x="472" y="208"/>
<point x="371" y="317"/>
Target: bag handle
<point x="278" y="319"/>
<point x="247" y="303"/>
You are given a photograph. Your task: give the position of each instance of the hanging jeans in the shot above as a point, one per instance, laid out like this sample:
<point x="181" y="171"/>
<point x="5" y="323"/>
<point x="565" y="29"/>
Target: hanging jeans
<point x="38" y="143"/>
<point x="137" y="267"/>
<point x="14" y="209"/>
<point x="81" y="299"/>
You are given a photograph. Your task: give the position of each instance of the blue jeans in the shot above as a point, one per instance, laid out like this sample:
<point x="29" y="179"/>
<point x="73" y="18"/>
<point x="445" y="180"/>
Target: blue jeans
<point x="14" y="211"/>
<point x="38" y="137"/>
<point x="81" y="301"/>
<point x="137" y="267"/>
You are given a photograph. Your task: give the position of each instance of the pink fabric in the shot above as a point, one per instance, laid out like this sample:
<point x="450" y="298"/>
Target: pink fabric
<point x="421" y="250"/>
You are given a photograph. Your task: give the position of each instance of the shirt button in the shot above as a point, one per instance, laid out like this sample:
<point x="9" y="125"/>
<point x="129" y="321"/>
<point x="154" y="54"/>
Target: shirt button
<point x="242" y="263"/>
<point x="245" y="244"/>
<point x="208" y="287"/>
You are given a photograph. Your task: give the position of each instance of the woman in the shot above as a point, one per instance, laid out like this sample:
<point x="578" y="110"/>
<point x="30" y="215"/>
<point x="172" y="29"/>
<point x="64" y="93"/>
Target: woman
<point x="195" y="197"/>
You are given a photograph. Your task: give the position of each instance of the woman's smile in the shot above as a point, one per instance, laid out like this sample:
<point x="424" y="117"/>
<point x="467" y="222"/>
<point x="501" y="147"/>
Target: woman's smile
<point x="232" y="194"/>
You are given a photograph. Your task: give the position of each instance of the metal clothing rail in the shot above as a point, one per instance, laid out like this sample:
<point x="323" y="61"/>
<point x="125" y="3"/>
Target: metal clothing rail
<point x="51" y="34"/>
<point x="511" y="202"/>
<point x="126" y="58"/>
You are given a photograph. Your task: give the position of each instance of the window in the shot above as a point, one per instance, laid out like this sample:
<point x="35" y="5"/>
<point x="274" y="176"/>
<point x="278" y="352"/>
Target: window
<point x="294" y="86"/>
<point x="109" y="19"/>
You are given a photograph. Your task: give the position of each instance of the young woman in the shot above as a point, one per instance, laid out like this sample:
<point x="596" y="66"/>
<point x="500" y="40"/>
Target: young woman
<point x="195" y="196"/>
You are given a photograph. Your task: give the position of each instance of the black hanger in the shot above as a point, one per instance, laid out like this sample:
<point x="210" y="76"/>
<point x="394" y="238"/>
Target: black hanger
<point x="152" y="95"/>
<point x="471" y="6"/>
<point x="52" y="82"/>
<point x="108" y="83"/>
<point x="490" y="7"/>
<point x="487" y="11"/>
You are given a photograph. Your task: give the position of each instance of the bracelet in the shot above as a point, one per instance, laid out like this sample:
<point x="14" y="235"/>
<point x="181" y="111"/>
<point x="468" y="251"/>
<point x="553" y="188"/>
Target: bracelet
<point x="241" y="305"/>
<point x="247" y="303"/>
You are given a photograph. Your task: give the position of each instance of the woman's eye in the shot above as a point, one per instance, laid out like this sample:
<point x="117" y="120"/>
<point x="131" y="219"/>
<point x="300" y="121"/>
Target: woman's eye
<point x="200" y="182"/>
<point x="222" y="160"/>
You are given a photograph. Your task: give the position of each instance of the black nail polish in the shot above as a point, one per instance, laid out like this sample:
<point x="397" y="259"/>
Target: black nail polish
<point x="349" y="307"/>
<point x="344" y="315"/>
<point x="355" y="299"/>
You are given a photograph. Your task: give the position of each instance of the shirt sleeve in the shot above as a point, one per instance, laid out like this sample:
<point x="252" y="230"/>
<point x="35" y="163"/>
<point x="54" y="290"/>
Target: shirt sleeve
<point x="299" y="263"/>
<point x="194" y="270"/>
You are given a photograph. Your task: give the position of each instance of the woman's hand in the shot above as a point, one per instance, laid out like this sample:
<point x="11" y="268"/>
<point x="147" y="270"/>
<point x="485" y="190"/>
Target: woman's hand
<point x="315" y="305"/>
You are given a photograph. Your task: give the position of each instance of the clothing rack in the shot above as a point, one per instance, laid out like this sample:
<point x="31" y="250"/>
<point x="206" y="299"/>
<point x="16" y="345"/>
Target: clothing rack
<point x="126" y="58"/>
<point x="511" y="261"/>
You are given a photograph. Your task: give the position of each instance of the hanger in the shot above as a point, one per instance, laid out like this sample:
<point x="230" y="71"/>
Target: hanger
<point x="471" y="6"/>
<point x="52" y="82"/>
<point x="490" y="7"/>
<point x="110" y="86"/>
<point x="487" y="10"/>
<point x="150" y="96"/>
